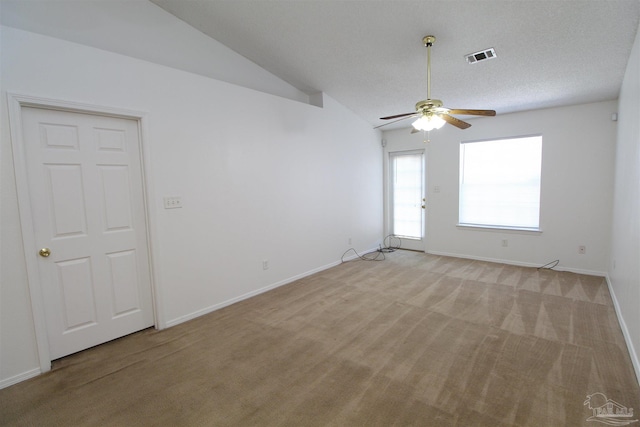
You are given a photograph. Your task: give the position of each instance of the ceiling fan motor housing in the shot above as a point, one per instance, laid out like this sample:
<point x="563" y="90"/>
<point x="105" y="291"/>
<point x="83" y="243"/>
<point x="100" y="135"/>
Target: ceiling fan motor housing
<point x="428" y="104"/>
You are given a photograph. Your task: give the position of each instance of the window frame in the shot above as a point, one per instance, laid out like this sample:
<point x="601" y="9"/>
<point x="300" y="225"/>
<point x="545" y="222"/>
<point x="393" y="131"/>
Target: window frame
<point x="499" y="227"/>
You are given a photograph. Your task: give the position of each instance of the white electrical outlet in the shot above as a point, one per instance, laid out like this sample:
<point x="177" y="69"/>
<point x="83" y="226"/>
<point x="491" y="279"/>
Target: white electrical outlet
<point x="172" y="202"/>
<point x="265" y="264"/>
<point x="505" y="243"/>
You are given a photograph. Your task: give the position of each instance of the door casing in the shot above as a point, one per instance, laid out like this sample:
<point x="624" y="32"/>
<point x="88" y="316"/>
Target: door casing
<point x="415" y="245"/>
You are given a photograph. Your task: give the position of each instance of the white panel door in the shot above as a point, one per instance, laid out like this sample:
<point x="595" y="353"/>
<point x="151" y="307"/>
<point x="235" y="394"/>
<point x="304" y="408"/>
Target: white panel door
<point x="86" y="194"/>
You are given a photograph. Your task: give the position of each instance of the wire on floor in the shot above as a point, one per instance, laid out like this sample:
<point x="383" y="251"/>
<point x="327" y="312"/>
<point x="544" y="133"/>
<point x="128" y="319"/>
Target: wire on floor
<point x="548" y="265"/>
<point x="364" y="257"/>
<point x="388" y="247"/>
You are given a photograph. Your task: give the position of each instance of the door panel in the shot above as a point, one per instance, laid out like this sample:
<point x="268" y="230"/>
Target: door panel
<point x="85" y="185"/>
<point x="122" y="269"/>
<point x="75" y="282"/>
<point x="66" y="200"/>
<point x="114" y="182"/>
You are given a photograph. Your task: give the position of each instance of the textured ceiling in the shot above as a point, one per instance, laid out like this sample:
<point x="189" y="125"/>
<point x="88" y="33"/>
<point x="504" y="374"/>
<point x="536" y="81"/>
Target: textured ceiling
<point x="369" y="56"/>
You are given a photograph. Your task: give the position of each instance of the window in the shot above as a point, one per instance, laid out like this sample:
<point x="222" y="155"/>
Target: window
<point x="500" y="183"/>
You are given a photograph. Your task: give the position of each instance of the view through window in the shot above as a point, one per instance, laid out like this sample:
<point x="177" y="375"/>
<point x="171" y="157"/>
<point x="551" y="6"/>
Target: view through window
<point x="500" y="183"/>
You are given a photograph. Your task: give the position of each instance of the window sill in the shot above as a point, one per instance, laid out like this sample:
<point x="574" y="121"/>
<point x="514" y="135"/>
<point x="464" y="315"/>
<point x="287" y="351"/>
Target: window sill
<point x="523" y="230"/>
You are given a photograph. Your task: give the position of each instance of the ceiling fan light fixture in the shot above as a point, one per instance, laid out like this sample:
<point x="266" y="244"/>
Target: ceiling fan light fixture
<point x="430" y="112"/>
<point x="428" y="122"/>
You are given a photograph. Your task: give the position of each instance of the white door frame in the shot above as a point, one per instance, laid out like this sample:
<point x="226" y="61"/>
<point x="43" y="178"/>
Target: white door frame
<point x="387" y="194"/>
<point x="16" y="102"/>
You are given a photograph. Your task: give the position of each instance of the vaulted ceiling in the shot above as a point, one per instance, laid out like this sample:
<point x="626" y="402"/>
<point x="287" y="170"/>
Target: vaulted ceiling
<point x="369" y="56"/>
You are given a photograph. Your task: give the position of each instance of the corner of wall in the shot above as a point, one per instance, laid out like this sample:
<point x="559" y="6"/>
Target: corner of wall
<point x="317" y="99"/>
<point x="625" y="331"/>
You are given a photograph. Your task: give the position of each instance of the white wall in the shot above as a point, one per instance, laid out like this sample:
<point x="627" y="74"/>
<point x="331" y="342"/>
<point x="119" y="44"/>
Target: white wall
<point x="624" y="269"/>
<point x="576" y="189"/>
<point x="261" y="177"/>
<point x="142" y="30"/>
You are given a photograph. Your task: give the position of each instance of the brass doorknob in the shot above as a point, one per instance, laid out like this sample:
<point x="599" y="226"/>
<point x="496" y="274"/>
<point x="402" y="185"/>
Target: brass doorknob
<point x="45" y="252"/>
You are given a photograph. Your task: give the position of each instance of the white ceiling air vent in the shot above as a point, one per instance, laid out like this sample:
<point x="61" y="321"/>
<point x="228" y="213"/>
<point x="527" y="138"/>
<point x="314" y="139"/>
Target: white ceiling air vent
<point x="483" y="55"/>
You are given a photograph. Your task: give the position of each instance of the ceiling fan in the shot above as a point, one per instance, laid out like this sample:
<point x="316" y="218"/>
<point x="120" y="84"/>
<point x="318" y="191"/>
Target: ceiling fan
<point x="430" y="112"/>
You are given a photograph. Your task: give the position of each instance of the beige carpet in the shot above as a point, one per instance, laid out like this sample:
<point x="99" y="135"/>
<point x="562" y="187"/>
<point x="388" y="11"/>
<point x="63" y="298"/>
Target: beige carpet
<point x="415" y="340"/>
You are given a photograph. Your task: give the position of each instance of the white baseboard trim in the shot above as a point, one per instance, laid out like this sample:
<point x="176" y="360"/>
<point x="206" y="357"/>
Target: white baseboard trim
<point x="477" y="258"/>
<point x="7" y="382"/>
<point x="259" y="291"/>
<point x="519" y="264"/>
<point x="625" y="332"/>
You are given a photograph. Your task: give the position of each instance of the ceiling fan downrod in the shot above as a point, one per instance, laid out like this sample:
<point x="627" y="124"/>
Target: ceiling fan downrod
<point x="428" y="42"/>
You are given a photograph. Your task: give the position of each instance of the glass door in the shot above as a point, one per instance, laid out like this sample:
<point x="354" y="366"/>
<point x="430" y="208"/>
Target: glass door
<point x="407" y="200"/>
